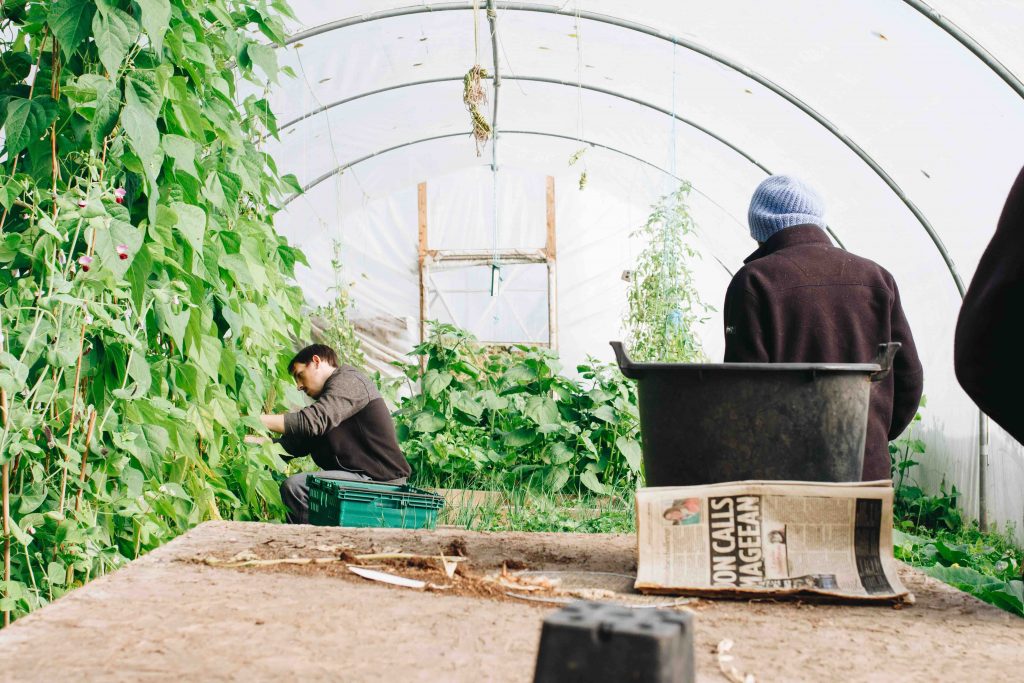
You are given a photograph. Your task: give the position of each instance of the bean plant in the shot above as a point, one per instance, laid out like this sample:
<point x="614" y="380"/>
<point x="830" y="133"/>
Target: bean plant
<point x="511" y="415"/>
<point x="146" y="299"/>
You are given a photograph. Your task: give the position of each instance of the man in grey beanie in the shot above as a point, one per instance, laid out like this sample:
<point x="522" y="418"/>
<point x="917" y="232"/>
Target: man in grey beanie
<point x="799" y="299"/>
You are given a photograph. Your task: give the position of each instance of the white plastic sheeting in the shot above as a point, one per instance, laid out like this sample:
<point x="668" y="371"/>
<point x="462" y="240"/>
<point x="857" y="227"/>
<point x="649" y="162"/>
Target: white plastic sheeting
<point x="944" y="127"/>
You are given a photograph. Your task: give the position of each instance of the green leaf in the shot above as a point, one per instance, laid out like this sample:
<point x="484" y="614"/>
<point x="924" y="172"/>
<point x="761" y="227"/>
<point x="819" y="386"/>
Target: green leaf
<point x="172" y="323"/>
<point x="138" y="370"/>
<point x="46" y="224"/>
<point x="428" y="422"/>
<point x="231" y="186"/>
<point x="114" y="32"/>
<point x="435" y="382"/>
<point x="107" y="241"/>
<point x="191" y="224"/>
<point x="83" y="89"/>
<point x="23" y="537"/>
<point x="606" y="413"/>
<point x="520" y="374"/>
<point x="467" y="404"/>
<point x="207" y="356"/>
<point x="56" y="573"/>
<point x="557" y="478"/>
<point x="589" y="479"/>
<point x="70" y="21"/>
<point x="492" y="401"/>
<point x="518" y="438"/>
<point x="157" y="438"/>
<point x="145" y="137"/>
<point x="26" y="122"/>
<point x="156" y="15"/>
<point x="142" y="90"/>
<point x="183" y="151"/>
<point x="630" y="449"/>
<point x="32" y="498"/>
<point x="133" y="481"/>
<point x="291" y="182"/>
<point x="265" y="57"/>
<point x="561" y="454"/>
<point x="108" y="110"/>
<point x="541" y="410"/>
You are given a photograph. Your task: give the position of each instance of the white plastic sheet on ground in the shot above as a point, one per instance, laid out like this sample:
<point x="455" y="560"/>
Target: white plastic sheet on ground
<point x="941" y="124"/>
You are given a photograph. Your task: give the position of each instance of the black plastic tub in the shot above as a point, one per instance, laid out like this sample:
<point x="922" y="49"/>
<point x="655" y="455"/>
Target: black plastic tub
<point x="704" y="423"/>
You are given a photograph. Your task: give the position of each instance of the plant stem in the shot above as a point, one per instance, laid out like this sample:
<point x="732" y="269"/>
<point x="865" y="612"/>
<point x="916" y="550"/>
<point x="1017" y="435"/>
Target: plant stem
<point x="71" y="424"/>
<point x="81" y="486"/>
<point x="6" y="493"/>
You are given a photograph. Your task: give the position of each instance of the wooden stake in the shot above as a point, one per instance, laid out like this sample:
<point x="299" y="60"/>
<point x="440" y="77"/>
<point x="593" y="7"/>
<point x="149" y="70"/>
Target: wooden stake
<point x="81" y="486"/>
<point x="421" y="197"/>
<point x="85" y="456"/>
<point x="422" y="200"/>
<point x="6" y="494"/>
<point x="551" y="252"/>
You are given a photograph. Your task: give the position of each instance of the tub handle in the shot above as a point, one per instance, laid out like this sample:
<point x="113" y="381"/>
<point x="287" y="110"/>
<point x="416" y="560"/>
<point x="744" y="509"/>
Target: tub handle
<point x="886" y="352"/>
<point x="626" y="365"/>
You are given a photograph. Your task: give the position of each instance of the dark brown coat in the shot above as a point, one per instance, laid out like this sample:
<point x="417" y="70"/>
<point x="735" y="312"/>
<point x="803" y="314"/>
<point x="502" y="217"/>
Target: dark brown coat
<point x="799" y="299"/>
<point x="347" y="428"/>
<point x="987" y="351"/>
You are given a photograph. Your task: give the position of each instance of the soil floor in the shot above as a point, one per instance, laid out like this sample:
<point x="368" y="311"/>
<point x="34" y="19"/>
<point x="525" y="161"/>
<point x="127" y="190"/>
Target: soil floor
<point x="183" y="613"/>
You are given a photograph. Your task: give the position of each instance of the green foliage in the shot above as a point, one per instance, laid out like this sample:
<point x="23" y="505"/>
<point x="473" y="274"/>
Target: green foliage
<point x="930" y="533"/>
<point x="984" y="564"/>
<point x="335" y="328"/>
<point x="912" y="506"/>
<point x="144" y="291"/>
<point x="664" y="306"/>
<point x="510" y="416"/>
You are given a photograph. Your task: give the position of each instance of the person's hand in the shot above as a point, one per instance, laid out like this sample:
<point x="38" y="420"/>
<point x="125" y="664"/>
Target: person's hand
<point x="255" y="439"/>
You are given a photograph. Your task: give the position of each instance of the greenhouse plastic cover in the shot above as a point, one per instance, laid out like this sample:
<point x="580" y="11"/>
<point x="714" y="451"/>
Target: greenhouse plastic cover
<point x="654" y="92"/>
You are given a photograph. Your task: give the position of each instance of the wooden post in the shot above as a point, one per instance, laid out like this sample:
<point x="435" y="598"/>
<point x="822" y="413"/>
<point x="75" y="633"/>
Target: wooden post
<point x="6" y="493"/>
<point x="551" y="254"/>
<point x="422" y="201"/>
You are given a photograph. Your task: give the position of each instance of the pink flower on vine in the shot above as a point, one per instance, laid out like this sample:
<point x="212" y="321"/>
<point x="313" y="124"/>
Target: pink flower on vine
<point x="85" y="262"/>
<point x="81" y="203"/>
<point x="122" y="251"/>
<point x="119" y="194"/>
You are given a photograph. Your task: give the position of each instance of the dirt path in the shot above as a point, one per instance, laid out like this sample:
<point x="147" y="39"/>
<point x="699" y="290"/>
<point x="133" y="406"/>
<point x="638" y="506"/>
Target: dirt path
<point x="169" y="616"/>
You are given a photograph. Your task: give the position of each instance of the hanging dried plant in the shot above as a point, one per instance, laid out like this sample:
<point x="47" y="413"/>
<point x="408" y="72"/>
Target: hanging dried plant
<point x="576" y="157"/>
<point x="473" y="95"/>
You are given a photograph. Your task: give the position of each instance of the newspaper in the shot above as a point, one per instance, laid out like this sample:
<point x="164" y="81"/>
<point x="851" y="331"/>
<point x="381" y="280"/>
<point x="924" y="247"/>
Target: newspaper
<point x="769" y="538"/>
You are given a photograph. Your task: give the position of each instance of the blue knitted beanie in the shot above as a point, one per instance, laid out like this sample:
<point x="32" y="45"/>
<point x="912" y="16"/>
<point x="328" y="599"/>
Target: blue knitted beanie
<point x="781" y="202"/>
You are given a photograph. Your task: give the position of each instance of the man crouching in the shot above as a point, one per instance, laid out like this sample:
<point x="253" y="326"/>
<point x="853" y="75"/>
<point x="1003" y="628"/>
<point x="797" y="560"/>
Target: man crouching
<point x="347" y="430"/>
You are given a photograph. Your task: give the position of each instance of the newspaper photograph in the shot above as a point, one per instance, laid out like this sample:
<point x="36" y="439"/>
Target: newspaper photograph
<point x="768" y="538"/>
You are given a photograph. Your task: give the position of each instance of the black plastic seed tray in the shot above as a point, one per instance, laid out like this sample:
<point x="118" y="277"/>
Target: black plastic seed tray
<point x="596" y="642"/>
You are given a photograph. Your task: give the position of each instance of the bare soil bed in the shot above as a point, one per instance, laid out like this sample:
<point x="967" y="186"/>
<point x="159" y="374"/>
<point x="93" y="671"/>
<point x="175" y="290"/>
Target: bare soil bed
<point x="184" y="613"/>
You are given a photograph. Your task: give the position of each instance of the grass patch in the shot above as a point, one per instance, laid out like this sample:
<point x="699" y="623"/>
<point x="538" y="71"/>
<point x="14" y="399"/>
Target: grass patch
<point x="486" y="504"/>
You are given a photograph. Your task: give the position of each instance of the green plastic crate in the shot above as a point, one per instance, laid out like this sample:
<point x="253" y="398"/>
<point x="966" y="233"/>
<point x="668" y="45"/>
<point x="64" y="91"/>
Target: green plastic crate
<point x="333" y="502"/>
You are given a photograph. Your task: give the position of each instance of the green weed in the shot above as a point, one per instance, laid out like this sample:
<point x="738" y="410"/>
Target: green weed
<point x="931" y="534"/>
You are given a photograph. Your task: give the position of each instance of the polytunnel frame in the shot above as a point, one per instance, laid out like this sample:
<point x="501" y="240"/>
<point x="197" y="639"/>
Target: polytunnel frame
<point x="680" y="42"/>
<point x="536" y="79"/>
<point x="572" y="138"/>
<point x="921" y="7"/>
